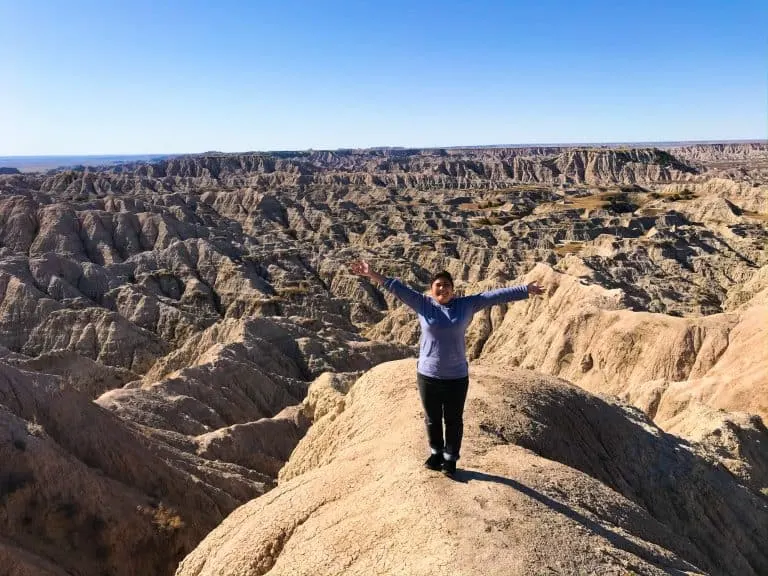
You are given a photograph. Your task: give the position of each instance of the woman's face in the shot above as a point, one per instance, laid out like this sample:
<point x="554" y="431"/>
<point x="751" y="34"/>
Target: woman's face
<point x="442" y="291"/>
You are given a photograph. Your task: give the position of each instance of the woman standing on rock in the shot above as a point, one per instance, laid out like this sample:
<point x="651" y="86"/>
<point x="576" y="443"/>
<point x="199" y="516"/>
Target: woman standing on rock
<point x="442" y="370"/>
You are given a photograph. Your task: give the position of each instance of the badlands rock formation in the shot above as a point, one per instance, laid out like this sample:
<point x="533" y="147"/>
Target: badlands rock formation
<point x="554" y="480"/>
<point x="91" y="494"/>
<point x="170" y="330"/>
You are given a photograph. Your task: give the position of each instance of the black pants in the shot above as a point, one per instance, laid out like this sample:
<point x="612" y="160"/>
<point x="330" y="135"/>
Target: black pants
<point x="444" y="399"/>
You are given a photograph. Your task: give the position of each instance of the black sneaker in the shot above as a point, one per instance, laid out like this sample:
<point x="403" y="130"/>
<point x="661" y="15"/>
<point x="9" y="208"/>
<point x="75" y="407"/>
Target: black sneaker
<point x="434" y="462"/>
<point x="449" y="468"/>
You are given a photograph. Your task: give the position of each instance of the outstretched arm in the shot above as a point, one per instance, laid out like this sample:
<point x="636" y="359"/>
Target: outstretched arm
<point x="490" y="298"/>
<point x="407" y="296"/>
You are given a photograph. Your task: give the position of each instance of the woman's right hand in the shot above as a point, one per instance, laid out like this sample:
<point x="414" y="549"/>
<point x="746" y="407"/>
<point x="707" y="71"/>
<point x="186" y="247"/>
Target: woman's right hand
<point x="361" y="268"/>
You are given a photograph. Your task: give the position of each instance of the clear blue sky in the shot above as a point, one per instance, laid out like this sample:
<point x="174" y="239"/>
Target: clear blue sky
<point x="171" y="76"/>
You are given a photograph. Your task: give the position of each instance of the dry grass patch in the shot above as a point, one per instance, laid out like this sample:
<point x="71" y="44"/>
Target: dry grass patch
<point x="301" y="288"/>
<point x="482" y="204"/>
<point x="167" y="519"/>
<point x="492" y="220"/>
<point x="519" y="188"/>
<point x="591" y="202"/>
<point x="653" y="211"/>
<point x="569" y="248"/>
<point x="757" y="215"/>
<point x="684" y="194"/>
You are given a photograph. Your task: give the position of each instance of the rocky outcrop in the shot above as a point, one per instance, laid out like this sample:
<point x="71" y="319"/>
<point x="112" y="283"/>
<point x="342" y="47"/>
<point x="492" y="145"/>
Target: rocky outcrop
<point x="735" y="439"/>
<point x="86" y="492"/>
<point x="459" y="168"/>
<point x="115" y="494"/>
<point x="265" y="363"/>
<point x="584" y="334"/>
<point x="552" y="479"/>
<point x="744" y="195"/>
<point x="741" y="161"/>
<point x="97" y="334"/>
<point x="705" y="153"/>
<point x="77" y="372"/>
<point x="264" y="445"/>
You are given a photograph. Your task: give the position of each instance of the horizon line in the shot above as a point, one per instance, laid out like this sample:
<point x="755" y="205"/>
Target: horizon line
<point x="398" y="147"/>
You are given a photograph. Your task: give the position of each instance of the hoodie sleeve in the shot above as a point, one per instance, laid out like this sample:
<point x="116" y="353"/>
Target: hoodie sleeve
<point x="407" y="296"/>
<point x="478" y="302"/>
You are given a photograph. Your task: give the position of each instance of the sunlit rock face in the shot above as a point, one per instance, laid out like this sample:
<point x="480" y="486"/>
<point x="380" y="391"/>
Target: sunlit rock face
<point x="171" y="330"/>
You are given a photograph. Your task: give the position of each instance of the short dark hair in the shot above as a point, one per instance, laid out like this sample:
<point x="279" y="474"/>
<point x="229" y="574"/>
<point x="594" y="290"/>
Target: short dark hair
<point x="442" y="275"/>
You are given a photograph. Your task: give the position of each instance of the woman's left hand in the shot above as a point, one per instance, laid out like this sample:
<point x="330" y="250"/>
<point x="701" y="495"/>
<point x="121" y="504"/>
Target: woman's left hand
<point x="534" y="289"/>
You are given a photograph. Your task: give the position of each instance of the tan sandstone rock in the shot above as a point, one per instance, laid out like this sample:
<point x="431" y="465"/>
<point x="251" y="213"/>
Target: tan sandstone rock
<point x="553" y="479"/>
